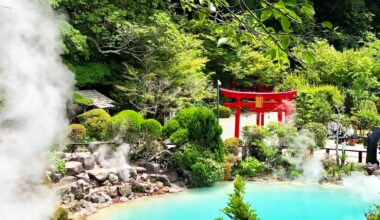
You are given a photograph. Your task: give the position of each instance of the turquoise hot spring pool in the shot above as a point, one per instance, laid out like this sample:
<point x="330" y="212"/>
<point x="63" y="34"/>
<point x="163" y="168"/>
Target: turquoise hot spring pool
<point x="272" y="202"/>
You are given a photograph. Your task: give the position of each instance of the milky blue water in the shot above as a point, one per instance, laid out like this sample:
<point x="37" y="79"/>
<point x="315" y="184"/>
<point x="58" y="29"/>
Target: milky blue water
<point x="272" y="202"/>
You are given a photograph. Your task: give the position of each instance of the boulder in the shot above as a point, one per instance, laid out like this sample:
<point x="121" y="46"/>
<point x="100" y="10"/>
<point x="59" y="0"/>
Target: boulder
<point x="371" y="167"/>
<point x="124" y="174"/>
<point x="152" y="167"/>
<point x="88" y="162"/>
<point x="68" y="180"/>
<point x="161" y="178"/>
<point x="83" y="176"/>
<point x="144" y="177"/>
<point x="73" y="168"/>
<point x="139" y="187"/>
<point x="113" y="178"/>
<point x="133" y="172"/>
<point x="376" y="172"/>
<point x="107" y="183"/>
<point x="112" y="191"/>
<point x="173" y="176"/>
<point x="99" y="174"/>
<point x="55" y="177"/>
<point x="79" y="196"/>
<point x="140" y="169"/>
<point x="125" y="190"/>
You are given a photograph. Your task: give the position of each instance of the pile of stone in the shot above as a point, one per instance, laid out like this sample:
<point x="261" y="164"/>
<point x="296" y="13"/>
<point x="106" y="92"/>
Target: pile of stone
<point x="373" y="169"/>
<point x="87" y="187"/>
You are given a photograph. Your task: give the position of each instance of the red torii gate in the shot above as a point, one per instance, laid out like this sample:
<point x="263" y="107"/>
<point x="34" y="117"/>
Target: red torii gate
<point x="263" y="102"/>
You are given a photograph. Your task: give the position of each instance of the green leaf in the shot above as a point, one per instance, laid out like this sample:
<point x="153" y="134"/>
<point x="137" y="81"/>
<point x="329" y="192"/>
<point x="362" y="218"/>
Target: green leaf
<point x="219" y="29"/>
<point x="285" y="42"/>
<point x="327" y="25"/>
<point x="202" y="16"/>
<point x="267" y="13"/>
<point x="285" y="23"/>
<point x="308" y="10"/>
<point x="308" y="57"/>
<point x="222" y="40"/>
<point x="292" y="3"/>
<point x="294" y="15"/>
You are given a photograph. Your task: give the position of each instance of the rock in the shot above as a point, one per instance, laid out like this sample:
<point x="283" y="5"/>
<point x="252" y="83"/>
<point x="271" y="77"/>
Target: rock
<point x="162" y="178"/>
<point x="159" y="184"/>
<point x="73" y="168"/>
<point x="140" y="170"/>
<point x="173" y="176"/>
<point x="112" y="191"/>
<point x="55" y="177"/>
<point x="103" y="197"/>
<point x="68" y="198"/>
<point x="99" y="174"/>
<point x="63" y="190"/>
<point x="123" y="199"/>
<point x="94" y="183"/>
<point x="376" y="172"/>
<point x="68" y="180"/>
<point x="133" y="172"/>
<point x="88" y="162"/>
<point x="107" y="183"/>
<point x="139" y="187"/>
<point x="371" y="168"/>
<point x="94" y="198"/>
<point x="152" y="167"/>
<point x="144" y="176"/>
<point x="79" y="196"/>
<point x="125" y="190"/>
<point x="124" y="174"/>
<point x="83" y="176"/>
<point x="113" y="178"/>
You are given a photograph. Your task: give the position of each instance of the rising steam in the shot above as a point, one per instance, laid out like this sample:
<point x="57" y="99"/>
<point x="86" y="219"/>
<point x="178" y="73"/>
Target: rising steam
<point x="34" y="86"/>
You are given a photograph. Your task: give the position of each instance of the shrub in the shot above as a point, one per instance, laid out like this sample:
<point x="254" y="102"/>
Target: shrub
<point x="206" y="172"/>
<point x="179" y="137"/>
<point x="60" y="214"/>
<point x="96" y="122"/>
<point x="373" y="214"/>
<point x="77" y="132"/>
<point x="224" y="112"/>
<point x="170" y="127"/>
<point x="127" y="124"/>
<point x="227" y="170"/>
<point x="187" y="158"/>
<point x="204" y="131"/>
<point x="367" y="119"/>
<point x="251" y="167"/>
<point x="231" y="145"/>
<point x="151" y="128"/>
<point x="319" y="131"/>
<point x="56" y="162"/>
<point x="184" y="116"/>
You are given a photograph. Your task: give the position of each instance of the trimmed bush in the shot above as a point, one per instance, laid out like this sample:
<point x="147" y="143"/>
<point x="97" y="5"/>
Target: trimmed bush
<point x="224" y="112"/>
<point x="227" y="170"/>
<point x="184" y="116"/>
<point x="319" y="131"/>
<point x="179" y="137"/>
<point x="187" y="158"/>
<point x="204" y="131"/>
<point x="96" y="122"/>
<point x="251" y="167"/>
<point x="127" y="124"/>
<point x="151" y="128"/>
<point x="77" y="132"/>
<point x="206" y="172"/>
<point x="231" y="145"/>
<point x="170" y="127"/>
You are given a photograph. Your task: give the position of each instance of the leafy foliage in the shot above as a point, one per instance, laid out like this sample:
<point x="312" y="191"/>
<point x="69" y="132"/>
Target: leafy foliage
<point x="206" y="172"/>
<point x="224" y="112"/>
<point x="319" y="131"/>
<point x="77" y="132"/>
<point x="56" y="162"/>
<point x="96" y="122"/>
<point x="80" y="100"/>
<point x="373" y="214"/>
<point x="127" y="125"/>
<point x="251" y="167"/>
<point x="232" y="145"/>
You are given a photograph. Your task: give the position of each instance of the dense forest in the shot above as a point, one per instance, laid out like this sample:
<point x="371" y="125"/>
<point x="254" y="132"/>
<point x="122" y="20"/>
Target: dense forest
<point x="161" y="55"/>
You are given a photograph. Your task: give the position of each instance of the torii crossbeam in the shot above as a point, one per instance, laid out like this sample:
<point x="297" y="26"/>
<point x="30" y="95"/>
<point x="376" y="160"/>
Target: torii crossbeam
<point x="260" y="102"/>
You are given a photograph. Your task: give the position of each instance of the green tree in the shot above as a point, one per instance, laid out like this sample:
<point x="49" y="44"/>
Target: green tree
<point x="236" y="208"/>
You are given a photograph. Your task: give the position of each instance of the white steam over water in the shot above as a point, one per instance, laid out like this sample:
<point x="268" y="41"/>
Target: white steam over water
<point x="35" y="86"/>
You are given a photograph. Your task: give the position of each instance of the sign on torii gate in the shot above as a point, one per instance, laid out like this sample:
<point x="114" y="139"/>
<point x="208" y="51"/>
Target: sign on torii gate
<point x="261" y="102"/>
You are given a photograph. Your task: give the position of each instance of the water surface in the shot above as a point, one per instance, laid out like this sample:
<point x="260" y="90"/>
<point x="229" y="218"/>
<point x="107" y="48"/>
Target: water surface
<point x="271" y="200"/>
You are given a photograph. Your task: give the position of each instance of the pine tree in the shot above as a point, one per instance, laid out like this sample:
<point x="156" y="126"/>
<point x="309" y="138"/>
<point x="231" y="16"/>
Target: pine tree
<point x="236" y="208"/>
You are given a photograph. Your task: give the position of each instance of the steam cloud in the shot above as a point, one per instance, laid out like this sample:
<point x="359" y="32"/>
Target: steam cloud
<point x="34" y="86"/>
